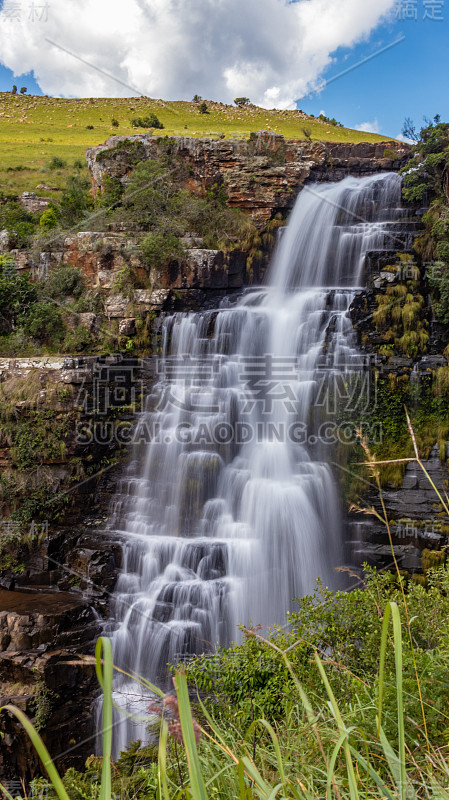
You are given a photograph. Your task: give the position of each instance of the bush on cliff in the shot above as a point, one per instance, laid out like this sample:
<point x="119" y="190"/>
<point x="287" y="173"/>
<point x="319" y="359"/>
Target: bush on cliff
<point x="43" y="323"/>
<point x="426" y="177"/>
<point x="19" y="223"/>
<point x="426" y="174"/>
<point x="157" y="248"/>
<point x="75" y="202"/>
<point x="156" y="201"/>
<point x="17" y="295"/>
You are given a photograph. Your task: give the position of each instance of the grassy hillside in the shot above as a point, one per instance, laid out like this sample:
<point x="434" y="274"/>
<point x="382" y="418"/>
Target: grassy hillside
<point x="34" y="130"/>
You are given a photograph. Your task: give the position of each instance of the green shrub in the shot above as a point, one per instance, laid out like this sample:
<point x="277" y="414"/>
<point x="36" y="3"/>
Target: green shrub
<point x="251" y="680"/>
<point x="152" y="121"/>
<point x="439" y="281"/>
<point x="20" y="224"/>
<point x="43" y="322"/>
<point x="203" y="108"/>
<point x="77" y="341"/>
<point x="112" y="192"/>
<point x="17" y="296"/>
<point x="57" y="163"/>
<point x="75" y="201"/>
<point x="157" y="248"/>
<point x="114" y="122"/>
<point x="49" y="219"/>
<point x="65" y="281"/>
<point x="424" y="173"/>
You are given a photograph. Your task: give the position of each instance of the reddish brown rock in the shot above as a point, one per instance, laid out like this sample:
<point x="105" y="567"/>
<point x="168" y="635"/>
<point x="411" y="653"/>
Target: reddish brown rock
<point x="261" y="175"/>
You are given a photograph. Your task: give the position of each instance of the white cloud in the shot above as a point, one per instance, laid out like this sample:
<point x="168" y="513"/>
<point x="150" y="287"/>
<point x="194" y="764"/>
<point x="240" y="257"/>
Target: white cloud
<point x="272" y="51"/>
<point x="369" y="127"/>
<point x="403" y="138"/>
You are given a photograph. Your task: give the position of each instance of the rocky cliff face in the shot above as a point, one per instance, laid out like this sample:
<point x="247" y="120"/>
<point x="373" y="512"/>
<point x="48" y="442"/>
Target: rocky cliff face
<point x="57" y="567"/>
<point x="262" y="176"/>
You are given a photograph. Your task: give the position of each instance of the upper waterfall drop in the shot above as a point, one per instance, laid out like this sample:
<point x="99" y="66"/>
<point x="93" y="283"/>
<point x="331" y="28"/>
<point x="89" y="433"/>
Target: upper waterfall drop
<point x="235" y="510"/>
<point x="332" y="227"/>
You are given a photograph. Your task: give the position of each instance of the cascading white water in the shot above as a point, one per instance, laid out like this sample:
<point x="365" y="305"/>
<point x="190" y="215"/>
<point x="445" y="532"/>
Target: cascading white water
<point x="235" y="511"/>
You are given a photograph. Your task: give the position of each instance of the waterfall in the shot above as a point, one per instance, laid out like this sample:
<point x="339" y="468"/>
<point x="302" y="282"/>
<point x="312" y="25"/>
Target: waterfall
<point x="235" y="510"/>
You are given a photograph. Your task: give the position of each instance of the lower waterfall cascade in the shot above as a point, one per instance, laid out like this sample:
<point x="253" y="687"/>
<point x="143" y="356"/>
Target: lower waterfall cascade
<point x="234" y="510"/>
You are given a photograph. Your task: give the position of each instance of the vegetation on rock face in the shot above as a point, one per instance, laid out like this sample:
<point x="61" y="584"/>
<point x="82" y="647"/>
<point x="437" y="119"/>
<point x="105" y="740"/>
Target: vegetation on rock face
<point x="427" y="172"/>
<point x="19" y="223"/>
<point x="426" y="180"/>
<point x="155" y="201"/>
<point x="400" y="320"/>
<point x="36" y="316"/>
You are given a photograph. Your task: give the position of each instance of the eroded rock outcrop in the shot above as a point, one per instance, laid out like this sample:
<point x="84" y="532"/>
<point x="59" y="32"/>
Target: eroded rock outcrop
<point x="261" y="175"/>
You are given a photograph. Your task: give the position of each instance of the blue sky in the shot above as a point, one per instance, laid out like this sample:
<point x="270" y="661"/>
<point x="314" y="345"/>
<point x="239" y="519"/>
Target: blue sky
<point x="407" y="80"/>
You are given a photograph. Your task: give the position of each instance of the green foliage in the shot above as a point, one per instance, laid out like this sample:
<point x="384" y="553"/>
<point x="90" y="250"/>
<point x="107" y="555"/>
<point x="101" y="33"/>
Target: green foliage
<point x="112" y="192"/>
<point x="340" y="735"/>
<point x="36" y="438"/>
<point x="242" y="101"/>
<point x="23" y="90"/>
<point x="49" y="218"/>
<point x="75" y="201"/>
<point x="155" y="201"/>
<point x="330" y="121"/>
<point x="17" y="296"/>
<point x="152" y="121"/>
<point x="115" y="123"/>
<point x="42" y="705"/>
<point x="252" y="679"/>
<point x="19" y="223"/>
<point x="439" y="281"/>
<point x="203" y="108"/>
<point x="77" y="341"/>
<point x="14" y="89"/>
<point x="399" y="318"/>
<point x="133" y="151"/>
<point x="65" y="281"/>
<point x="157" y="248"/>
<point x="424" y="174"/>
<point x="57" y="163"/>
<point x="43" y="322"/>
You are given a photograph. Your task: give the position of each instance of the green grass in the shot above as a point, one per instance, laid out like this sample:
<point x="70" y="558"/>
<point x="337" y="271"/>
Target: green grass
<point x="316" y="754"/>
<point x="34" y="129"/>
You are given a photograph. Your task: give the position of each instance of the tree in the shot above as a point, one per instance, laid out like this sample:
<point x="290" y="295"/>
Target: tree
<point x="14" y="89"/>
<point x="197" y="98"/>
<point x="307" y="134"/>
<point x="427" y="173"/>
<point x="203" y="108"/>
<point x="242" y="101"/>
<point x="23" y="90"/>
<point x="409" y="130"/>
